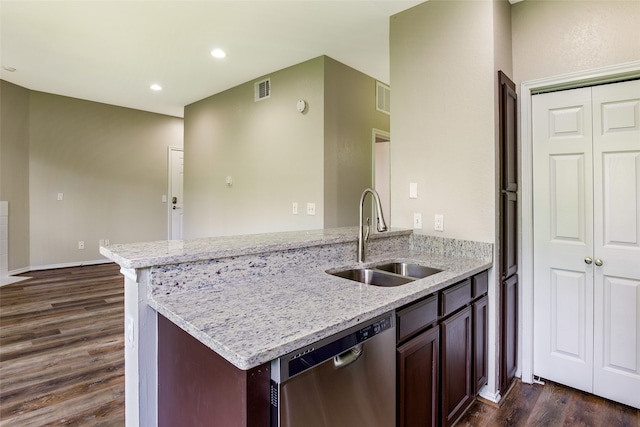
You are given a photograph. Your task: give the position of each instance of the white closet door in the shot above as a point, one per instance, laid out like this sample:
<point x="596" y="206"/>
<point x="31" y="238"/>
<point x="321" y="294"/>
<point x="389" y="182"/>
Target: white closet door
<point x="616" y="155"/>
<point x="563" y="237"/>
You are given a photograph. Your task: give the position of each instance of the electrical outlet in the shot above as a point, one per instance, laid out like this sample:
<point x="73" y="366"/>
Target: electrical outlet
<point x="438" y="223"/>
<point x="101" y="242"/>
<point x="81" y="244"/>
<point x="311" y="208"/>
<point x="294" y="208"/>
<point x="106" y="242"/>
<point x="417" y="220"/>
<point x="60" y="197"/>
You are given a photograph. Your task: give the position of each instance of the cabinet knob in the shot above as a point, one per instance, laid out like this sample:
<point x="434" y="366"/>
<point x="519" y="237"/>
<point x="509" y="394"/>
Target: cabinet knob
<point x="599" y="262"/>
<point x="588" y="260"/>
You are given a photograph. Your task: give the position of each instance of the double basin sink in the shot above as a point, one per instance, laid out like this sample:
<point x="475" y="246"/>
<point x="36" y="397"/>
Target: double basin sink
<point x="387" y="274"/>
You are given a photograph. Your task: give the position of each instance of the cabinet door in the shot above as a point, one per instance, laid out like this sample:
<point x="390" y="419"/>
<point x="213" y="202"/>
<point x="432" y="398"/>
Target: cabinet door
<point x="418" y="380"/>
<point x="508" y="177"/>
<point x="480" y="333"/>
<point x="509" y="331"/>
<point x="457" y="383"/>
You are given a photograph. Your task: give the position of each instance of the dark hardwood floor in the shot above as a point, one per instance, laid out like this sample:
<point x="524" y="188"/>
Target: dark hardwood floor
<point x="62" y="362"/>
<point x="550" y="405"/>
<point x="62" y="348"/>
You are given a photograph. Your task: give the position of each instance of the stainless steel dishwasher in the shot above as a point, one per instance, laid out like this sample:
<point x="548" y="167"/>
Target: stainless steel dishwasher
<point x="348" y="379"/>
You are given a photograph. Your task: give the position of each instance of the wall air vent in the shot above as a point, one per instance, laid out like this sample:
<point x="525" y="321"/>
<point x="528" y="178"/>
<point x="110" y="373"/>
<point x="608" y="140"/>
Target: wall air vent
<point x="262" y="90"/>
<point x="383" y="98"/>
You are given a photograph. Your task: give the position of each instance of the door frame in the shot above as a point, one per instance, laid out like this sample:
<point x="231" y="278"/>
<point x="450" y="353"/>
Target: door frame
<point x="375" y="133"/>
<point x="170" y="149"/>
<point x="608" y="74"/>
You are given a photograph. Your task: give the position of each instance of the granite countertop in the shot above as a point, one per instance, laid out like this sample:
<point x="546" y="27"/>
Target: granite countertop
<point x="164" y="252"/>
<point x="283" y="300"/>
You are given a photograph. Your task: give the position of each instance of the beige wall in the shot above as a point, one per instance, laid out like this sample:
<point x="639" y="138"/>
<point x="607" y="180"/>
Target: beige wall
<point x="14" y="169"/>
<point x="443" y="117"/>
<point x="109" y="162"/>
<point x="558" y="37"/>
<point x="277" y="156"/>
<point x="350" y="117"/>
<point x="273" y="153"/>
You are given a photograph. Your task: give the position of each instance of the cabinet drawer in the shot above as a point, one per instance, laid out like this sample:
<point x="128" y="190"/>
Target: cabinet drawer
<point x="479" y="284"/>
<point x="455" y="297"/>
<point x="416" y="317"/>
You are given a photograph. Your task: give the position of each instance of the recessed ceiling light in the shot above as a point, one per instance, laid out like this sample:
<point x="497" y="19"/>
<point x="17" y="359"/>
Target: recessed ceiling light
<point x="218" y="53"/>
<point x="155" y="87"/>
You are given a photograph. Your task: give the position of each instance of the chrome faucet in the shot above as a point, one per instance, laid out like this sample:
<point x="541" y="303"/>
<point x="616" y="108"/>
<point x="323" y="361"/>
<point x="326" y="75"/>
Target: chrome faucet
<point x="363" y="236"/>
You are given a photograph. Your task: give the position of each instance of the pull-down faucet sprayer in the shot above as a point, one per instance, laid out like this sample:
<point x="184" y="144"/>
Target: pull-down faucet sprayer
<point x="363" y="236"/>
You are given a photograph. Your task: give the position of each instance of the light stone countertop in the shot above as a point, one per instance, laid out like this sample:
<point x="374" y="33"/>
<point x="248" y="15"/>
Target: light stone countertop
<point x="163" y="252"/>
<point x="252" y="299"/>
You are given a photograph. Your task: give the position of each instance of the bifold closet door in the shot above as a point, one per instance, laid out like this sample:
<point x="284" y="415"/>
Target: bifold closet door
<point x="616" y="254"/>
<point x="586" y="145"/>
<point x="563" y="237"/>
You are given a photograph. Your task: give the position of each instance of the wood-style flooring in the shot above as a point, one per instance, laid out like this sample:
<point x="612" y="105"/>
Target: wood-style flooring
<point x="62" y="348"/>
<point x="536" y="405"/>
<point x="62" y="362"/>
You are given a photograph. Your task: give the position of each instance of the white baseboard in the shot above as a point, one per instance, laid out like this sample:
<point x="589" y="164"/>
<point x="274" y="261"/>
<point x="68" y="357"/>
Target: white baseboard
<point x="491" y="397"/>
<point x="68" y="264"/>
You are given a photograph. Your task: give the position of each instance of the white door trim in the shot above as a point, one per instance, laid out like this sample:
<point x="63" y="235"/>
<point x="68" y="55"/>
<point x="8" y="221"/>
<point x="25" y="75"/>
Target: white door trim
<point x="583" y="78"/>
<point x="169" y="190"/>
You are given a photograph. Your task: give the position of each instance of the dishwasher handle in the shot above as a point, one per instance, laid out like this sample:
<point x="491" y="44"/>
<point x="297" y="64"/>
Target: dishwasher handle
<point x="348" y="357"/>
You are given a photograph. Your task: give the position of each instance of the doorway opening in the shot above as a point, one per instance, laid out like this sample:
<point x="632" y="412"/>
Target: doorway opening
<point x="382" y="170"/>
<point x="175" y="203"/>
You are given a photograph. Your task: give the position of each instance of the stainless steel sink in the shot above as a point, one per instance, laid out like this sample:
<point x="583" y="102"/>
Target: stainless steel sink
<point x="373" y="277"/>
<point x="387" y="274"/>
<point x="408" y="269"/>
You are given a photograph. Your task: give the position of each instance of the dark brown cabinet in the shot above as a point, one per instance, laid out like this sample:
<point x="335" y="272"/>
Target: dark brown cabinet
<point x="418" y="380"/>
<point x="456" y="360"/>
<point x="508" y="249"/>
<point x="480" y="334"/>
<point x="442" y="353"/>
<point x="509" y="331"/>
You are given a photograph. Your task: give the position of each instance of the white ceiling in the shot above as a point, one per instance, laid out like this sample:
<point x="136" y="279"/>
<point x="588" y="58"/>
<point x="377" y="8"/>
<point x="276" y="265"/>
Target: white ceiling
<point x="112" y="51"/>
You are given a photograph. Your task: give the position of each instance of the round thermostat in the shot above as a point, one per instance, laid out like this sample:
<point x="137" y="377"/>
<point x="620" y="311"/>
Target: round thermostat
<point x="302" y="105"/>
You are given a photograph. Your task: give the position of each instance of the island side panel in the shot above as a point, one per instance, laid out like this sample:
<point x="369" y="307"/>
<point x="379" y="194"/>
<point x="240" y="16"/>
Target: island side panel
<point x="196" y="386"/>
<point x="140" y="355"/>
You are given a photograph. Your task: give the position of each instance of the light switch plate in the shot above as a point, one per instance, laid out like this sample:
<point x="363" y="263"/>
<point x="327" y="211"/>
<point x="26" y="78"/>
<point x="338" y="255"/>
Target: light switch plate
<point x="413" y="190"/>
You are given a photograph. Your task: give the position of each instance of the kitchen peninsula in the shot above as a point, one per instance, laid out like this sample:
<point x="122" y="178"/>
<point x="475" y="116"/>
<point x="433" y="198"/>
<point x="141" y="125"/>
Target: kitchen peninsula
<point x="247" y="300"/>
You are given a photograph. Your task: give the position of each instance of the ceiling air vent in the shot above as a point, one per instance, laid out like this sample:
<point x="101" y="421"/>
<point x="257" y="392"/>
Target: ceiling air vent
<point x="262" y="90"/>
<point x="383" y="98"/>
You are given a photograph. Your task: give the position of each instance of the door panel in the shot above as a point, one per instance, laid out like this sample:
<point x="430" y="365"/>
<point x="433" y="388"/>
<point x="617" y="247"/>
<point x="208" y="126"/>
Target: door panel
<point x="616" y="151"/>
<point x="563" y="237"/>
<point x="509" y="328"/>
<point x="570" y="328"/>
<point x="568" y="209"/>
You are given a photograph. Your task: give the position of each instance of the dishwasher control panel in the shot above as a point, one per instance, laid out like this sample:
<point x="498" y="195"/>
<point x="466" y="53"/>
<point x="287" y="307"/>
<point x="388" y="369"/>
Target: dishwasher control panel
<point x="373" y="329"/>
<point x="311" y="355"/>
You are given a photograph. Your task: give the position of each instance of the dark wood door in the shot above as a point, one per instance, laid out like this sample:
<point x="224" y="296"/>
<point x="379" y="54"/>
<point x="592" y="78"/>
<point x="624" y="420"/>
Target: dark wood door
<point x="418" y="380"/>
<point x="456" y="365"/>
<point x="508" y="251"/>
<point x="509" y="331"/>
<point x="508" y="177"/>
<point x="480" y="334"/>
